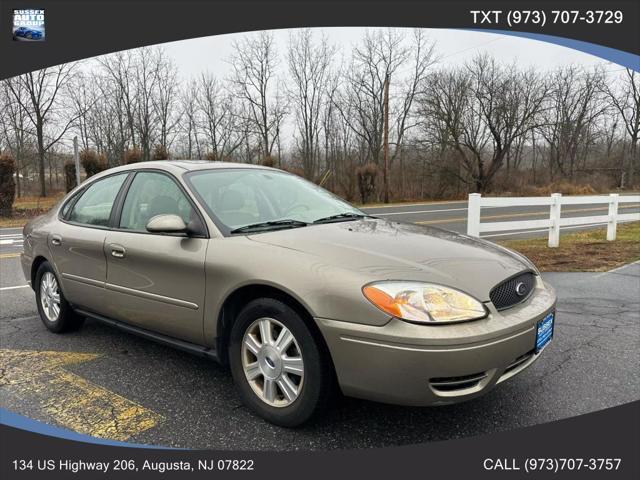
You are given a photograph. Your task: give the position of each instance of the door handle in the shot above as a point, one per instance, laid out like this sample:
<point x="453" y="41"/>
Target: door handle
<point x="117" y="251"/>
<point x="56" y="240"/>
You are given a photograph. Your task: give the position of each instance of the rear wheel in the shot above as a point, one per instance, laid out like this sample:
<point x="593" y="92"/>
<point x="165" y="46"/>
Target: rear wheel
<point x="55" y="312"/>
<point x="277" y="364"/>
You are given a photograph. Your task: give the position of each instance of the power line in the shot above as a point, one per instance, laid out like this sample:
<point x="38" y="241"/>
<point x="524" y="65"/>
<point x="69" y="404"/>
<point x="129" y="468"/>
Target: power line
<point x="472" y="47"/>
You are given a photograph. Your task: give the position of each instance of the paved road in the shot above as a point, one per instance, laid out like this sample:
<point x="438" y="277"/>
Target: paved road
<point x="453" y="216"/>
<point x="184" y="401"/>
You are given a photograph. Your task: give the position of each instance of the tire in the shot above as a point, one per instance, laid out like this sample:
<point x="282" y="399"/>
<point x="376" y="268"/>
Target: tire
<point x="308" y="390"/>
<point x="58" y="320"/>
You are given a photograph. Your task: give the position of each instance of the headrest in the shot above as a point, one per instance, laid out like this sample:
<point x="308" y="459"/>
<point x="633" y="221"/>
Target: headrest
<point x="163" y="205"/>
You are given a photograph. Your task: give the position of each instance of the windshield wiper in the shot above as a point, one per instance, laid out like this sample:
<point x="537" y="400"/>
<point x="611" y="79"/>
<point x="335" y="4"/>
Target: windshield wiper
<point x="273" y="224"/>
<point x="341" y="217"/>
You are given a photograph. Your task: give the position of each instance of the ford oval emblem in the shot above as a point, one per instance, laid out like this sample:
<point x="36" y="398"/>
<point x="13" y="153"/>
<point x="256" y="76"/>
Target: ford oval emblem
<point x="521" y="289"/>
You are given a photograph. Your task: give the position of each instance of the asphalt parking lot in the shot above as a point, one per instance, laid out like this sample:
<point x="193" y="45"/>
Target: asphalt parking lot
<point x="107" y="383"/>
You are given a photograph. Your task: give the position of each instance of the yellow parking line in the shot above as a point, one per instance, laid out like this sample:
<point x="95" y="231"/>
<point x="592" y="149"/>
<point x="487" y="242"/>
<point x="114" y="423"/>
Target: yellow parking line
<point x="72" y="401"/>
<point x="524" y="214"/>
<point x="9" y="255"/>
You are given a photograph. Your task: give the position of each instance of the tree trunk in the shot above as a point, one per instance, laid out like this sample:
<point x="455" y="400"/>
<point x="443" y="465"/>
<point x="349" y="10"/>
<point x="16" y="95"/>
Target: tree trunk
<point x="43" y="185"/>
<point x="632" y="163"/>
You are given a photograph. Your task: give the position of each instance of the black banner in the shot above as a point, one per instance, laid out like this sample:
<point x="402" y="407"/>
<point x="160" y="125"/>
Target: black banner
<point x="602" y="444"/>
<point x="81" y="29"/>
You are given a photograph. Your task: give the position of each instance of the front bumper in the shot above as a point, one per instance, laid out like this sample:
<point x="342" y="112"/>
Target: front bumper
<point x="410" y="364"/>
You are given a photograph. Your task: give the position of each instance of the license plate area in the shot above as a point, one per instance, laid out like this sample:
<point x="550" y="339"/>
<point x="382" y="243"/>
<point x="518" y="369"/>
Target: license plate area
<point x="544" y="331"/>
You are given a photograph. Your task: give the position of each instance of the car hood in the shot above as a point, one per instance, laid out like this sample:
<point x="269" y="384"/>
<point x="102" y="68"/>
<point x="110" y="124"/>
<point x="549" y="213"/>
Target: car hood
<point x="383" y="250"/>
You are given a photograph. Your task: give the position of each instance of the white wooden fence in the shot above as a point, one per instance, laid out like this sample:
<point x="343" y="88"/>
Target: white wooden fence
<point x="555" y="202"/>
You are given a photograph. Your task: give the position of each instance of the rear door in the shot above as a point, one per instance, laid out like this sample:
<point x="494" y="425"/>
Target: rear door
<point x="156" y="281"/>
<point x="77" y="244"/>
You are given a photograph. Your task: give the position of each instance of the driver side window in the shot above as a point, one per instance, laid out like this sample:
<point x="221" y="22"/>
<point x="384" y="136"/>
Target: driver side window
<point x="151" y="194"/>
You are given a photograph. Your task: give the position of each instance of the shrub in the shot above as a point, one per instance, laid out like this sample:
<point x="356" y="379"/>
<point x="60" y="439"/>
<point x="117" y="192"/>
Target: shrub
<point x="69" y="176"/>
<point x="92" y="162"/>
<point x="7" y="185"/>
<point x="293" y="169"/>
<point x="269" y="161"/>
<point x="366" y="176"/>
<point x="211" y="156"/>
<point x="132" y="155"/>
<point x="160" y="152"/>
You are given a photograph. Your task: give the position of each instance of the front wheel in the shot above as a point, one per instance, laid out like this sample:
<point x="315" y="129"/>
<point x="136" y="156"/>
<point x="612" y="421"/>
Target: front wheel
<point x="277" y="364"/>
<point x="55" y="312"/>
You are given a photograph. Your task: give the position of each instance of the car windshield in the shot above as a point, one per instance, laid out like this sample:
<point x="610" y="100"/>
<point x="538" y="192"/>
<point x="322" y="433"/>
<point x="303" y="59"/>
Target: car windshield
<point x="247" y="200"/>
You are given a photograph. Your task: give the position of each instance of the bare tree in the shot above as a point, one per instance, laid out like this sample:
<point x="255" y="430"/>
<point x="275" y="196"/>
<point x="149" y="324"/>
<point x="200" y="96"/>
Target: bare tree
<point x="189" y="124"/>
<point x="120" y="71"/>
<point x="574" y="106"/>
<point x="220" y="117"/>
<point x="309" y="66"/>
<point x="361" y="103"/>
<point x="448" y="120"/>
<point x="424" y="57"/>
<point x="145" y="79"/>
<point x="82" y="97"/>
<point x="108" y="120"/>
<point x="254" y="65"/>
<point x="14" y="129"/>
<point x="43" y="107"/>
<point x="509" y="102"/>
<point x="483" y="112"/>
<point x="627" y="102"/>
<point x="165" y="97"/>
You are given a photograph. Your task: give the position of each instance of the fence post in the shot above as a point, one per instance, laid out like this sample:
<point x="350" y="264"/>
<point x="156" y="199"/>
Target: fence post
<point x="613" y="217"/>
<point x="473" y="215"/>
<point x="554" y="217"/>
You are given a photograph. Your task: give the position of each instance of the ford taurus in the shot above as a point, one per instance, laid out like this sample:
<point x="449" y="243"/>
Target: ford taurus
<point x="298" y="292"/>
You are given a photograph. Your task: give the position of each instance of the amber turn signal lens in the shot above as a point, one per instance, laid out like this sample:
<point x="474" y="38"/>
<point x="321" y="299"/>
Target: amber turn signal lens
<point x="382" y="300"/>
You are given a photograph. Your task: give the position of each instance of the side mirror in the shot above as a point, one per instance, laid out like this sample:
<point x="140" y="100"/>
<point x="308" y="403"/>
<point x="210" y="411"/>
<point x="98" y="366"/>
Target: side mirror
<point x="166" y="224"/>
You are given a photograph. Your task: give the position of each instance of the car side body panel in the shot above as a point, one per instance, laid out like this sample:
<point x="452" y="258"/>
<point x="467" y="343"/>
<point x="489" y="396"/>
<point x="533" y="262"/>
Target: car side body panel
<point x="321" y="287"/>
<point x="78" y="255"/>
<point x="158" y="283"/>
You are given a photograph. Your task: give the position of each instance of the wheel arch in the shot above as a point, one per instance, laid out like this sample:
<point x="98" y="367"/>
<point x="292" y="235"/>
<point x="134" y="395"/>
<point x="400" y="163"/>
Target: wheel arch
<point x="246" y="293"/>
<point x="35" y="265"/>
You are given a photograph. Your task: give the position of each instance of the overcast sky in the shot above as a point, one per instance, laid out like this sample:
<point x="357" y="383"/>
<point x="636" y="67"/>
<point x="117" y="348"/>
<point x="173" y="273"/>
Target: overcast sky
<point x="454" y="47"/>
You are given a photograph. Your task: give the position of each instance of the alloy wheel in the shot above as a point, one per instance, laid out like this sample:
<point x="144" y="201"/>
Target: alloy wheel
<point x="272" y="362"/>
<point x="50" y="296"/>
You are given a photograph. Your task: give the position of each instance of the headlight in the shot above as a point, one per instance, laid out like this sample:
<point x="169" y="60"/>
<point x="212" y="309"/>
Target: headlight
<point x="423" y="302"/>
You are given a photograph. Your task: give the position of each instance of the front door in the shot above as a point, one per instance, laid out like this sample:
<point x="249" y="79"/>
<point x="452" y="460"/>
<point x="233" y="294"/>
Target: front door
<point x="156" y="281"/>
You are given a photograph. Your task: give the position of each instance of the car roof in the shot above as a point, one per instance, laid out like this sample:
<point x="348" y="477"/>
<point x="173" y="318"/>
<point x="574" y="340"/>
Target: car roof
<point x="205" y="164"/>
<point x="180" y="166"/>
<point x="176" y="167"/>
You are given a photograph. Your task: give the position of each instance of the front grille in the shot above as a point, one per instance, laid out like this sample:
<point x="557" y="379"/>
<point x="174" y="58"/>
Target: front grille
<point x="513" y="291"/>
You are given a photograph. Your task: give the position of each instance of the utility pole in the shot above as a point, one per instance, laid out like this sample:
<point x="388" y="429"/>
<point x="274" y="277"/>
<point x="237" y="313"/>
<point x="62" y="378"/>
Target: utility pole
<point x="76" y="159"/>
<point x="386" y="139"/>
